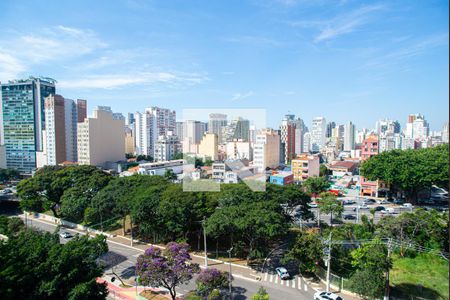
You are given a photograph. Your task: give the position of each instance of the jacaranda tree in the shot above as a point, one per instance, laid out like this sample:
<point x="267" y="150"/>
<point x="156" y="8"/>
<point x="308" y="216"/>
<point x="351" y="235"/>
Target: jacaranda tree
<point x="168" y="268"/>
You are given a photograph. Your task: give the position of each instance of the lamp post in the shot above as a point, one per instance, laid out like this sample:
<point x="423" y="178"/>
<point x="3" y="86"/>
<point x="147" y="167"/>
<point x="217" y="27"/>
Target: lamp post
<point x="204" y="241"/>
<point x="229" y="274"/>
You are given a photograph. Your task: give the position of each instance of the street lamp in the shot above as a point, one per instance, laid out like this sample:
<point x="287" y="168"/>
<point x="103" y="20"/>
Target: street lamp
<point x="204" y="241"/>
<point x="229" y="274"/>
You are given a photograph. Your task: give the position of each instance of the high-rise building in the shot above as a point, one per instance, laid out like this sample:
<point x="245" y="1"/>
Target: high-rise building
<point x="266" y="150"/>
<point x="330" y="127"/>
<point x="129" y="141"/>
<point x="238" y="129"/>
<point x="445" y="133"/>
<point x="179" y="130"/>
<point x="55" y="129"/>
<point x="417" y="127"/>
<point x="318" y="132"/>
<point x="100" y="138"/>
<point x="118" y="116"/>
<point x="193" y="131"/>
<point x="300" y="129"/>
<point x="304" y="166"/>
<point x="349" y="136"/>
<point x="216" y="124"/>
<point x="130" y="120"/>
<point x="369" y="147"/>
<point x="208" y="147"/>
<point x="149" y="125"/>
<point x="307" y="142"/>
<point x="22" y="118"/>
<point x="387" y="126"/>
<point x="166" y="147"/>
<point x="81" y="110"/>
<point x="287" y="137"/>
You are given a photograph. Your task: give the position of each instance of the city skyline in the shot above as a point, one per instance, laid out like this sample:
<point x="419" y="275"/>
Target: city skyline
<point x="258" y="54"/>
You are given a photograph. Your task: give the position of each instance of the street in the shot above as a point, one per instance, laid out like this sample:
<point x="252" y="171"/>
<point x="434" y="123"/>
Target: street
<point x="124" y="259"/>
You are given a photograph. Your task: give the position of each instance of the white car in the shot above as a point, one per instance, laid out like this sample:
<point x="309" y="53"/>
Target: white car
<point x="65" y="235"/>
<point x="312" y="205"/>
<point x="326" y="296"/>
<point x="283" y="273"/>
<point x="383" y="202"/>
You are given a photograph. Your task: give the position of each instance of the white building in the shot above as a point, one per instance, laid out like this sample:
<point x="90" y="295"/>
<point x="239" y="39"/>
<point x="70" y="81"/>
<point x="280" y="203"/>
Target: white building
<point x="156" y="168"/>
<point x="166" y="147"/>
<point x="306" y="142"/>
<point x="318" y="131"/>
<point x="445" y="133"/>
<point x="417" y="127"/>
<point x="149" y="125"/>
<point x="193" y="131"/>
<point x="100" y="139"/>
<point x="349" y="136"/>
<point x="266" y="150"/>
<point x="238" y="150"/>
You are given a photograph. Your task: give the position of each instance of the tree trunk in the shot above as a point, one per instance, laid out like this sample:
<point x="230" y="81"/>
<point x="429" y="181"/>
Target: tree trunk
<point x="217" y="247"/>
<point x="173" y="294"/>
<point x="123" y="225"/>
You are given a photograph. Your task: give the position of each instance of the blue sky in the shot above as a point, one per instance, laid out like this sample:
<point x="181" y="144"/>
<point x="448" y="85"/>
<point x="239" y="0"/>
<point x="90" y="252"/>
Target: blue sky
<point x="344" y="60"/>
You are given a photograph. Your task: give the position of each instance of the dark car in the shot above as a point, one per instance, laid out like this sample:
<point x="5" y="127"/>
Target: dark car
<point x="370" y="201"/>
<point x="349" y="217"/>
<point x="380" y="208"/>
<point x="399" y="201"/>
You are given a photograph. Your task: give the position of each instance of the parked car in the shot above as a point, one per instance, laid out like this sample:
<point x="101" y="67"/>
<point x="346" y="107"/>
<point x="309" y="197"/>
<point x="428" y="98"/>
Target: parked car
<point x="326" y="296"/>
<point x="283" y="273"/>
<point x="380" y="208"/>
<point x="370" y="201"/>
<point x="383" y="202"/>
<point x="362" y="206"/>
<point x="388" y="211"/>
<point x="349" y="217"/>
<point x="65" y="235"/>
<point x="312" y="205"/>
<point x="347" y="202"/>
<point x="399" y="201"/>
<point x="408" y="205"/>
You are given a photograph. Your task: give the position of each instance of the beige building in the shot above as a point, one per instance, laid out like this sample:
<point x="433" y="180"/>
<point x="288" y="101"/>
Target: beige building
<point x="208" y="146"/>
<point x="100" y="138"/>
<point x="305" y="166"/>
<point x="266" y="150"/>
<point x="129" y="141"/>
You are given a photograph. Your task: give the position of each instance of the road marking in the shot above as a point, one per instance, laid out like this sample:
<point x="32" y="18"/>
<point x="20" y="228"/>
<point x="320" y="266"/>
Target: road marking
<point x="299" y="283"/>
<point x="276" y="279"/>
<point x="265" y="276"/>
<point x="282" y="281"/>
<point x="271" y="278"/>
<point x="306" y="287"/>
<point x="293" y="284"/>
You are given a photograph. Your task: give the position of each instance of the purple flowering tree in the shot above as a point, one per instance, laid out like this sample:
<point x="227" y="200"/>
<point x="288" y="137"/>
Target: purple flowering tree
<point x="211" y="279"/>
<point x="168" y="268"/>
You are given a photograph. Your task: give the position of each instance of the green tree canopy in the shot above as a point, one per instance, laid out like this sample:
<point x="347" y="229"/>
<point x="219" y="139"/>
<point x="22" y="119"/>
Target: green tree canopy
<point x="315" y="185"/>
<point x="409" y="171"/>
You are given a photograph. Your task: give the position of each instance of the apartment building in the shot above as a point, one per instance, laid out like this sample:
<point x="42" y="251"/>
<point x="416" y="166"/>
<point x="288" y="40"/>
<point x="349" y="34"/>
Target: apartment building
<point x="304" y="166"/>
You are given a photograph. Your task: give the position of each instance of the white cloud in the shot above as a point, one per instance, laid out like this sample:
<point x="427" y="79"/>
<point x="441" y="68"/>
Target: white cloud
<point x="111" y="81"/>
<point x="50" y="44"/>
<point x="347" y="23"/>
<point x="241" y="96"/>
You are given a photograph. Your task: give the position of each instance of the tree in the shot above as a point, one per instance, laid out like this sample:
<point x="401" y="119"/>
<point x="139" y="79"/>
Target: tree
<point x="328" y="204"/>
<point x="8" y="174"/>
<point x="323" y="171"/>
<point x="168" y="268"/>
<point x="170" y="175"/>
<point x="261" y="294"/>
<point x="34" y="265"/>
<point x="292" y="198"/>
<point x="409" y="171"/>
<point x="307" y="250"/>
<point x="371" y="261"/>
<point x="211" y="279"/>
<point x="315" y="185"/>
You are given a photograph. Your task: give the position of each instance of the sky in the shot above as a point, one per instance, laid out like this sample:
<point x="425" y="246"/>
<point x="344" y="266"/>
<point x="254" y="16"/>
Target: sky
<point x="344" y="60"/>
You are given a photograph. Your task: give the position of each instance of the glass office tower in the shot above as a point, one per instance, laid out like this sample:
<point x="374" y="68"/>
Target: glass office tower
<point x="22" y="118"/>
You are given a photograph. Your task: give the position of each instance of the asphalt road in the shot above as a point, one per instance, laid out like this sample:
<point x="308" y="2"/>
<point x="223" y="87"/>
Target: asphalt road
<point x="123" y="259"/>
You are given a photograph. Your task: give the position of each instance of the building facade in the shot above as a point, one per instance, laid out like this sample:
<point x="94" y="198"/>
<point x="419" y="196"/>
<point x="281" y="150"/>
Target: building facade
<point x="22" y="120"/>
<point x="266" y="150"/>
<point x="304" y="166"/>
<point x="100" y="139"/>
<point x="167" y="147"/>
<point x="318" y="133"/>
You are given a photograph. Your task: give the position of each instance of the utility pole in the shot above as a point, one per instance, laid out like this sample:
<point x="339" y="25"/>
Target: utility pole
<point x="386" y="290"/>
<point x="204" y="241"/>
<point x="131" y="230"/>
<point x="318" y="217"/>
<point x="229" y="274"/>
<point x="329" y="262"/>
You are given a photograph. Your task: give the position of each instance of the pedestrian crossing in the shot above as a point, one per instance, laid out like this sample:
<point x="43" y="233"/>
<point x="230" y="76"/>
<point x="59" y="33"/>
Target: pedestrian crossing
<point x="294" y="283"/>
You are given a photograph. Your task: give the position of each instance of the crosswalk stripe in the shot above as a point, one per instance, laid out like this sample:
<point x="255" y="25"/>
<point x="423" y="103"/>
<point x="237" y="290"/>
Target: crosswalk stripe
<point x="293" y="283"/>
<point x="299" y="283"/>
<point x="281" y="281"/>
<point x="276" y="279"/>
<point x="265" y="276"/>
<point x="271" y="278"/>
<point x="306" y="287"/>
